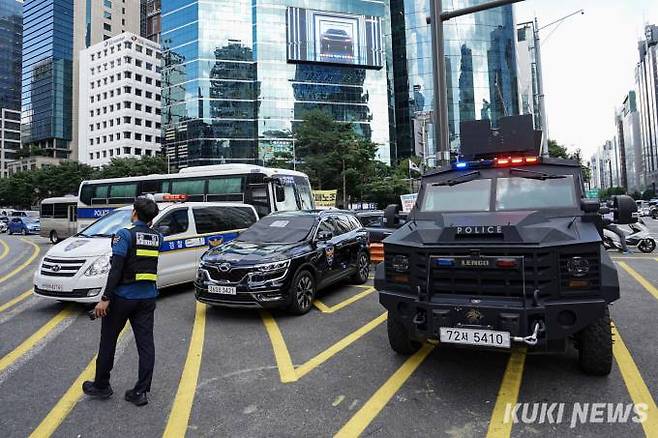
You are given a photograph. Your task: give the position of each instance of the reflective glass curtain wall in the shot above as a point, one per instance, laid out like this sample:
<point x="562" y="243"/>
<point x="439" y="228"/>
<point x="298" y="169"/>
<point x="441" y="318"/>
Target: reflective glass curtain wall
<point x="11" y="40"/>
<point x="47" y="75"/>
<point x="480" y="65"/>
<point x="230" y="93"/>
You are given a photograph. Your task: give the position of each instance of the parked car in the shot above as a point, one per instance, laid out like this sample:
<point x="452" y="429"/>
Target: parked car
<point x="3" y="227"/>
<point x="24" y="225"/>
<point x="283" y="260"/>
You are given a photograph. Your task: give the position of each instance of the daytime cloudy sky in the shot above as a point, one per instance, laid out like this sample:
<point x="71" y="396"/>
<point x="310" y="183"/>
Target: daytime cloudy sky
<point x="588" y="63"/>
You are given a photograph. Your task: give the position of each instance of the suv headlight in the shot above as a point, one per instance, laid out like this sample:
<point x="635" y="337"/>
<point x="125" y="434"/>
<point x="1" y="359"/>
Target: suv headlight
<point x="400" y="263"/>
<point x="274" y="266"/>
<point x="578" y="267"/>
<point x="99" y="267"/>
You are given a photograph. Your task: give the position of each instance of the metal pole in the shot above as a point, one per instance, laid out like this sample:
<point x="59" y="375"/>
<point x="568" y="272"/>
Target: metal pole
<point x="441" y="128"/>
<point x="540" y="89"/>
<point x="477" y="8"/>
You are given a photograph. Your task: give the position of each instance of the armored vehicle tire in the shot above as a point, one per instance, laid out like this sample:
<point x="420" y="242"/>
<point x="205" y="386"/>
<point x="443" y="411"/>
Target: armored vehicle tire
<point x="595" y="347"/>
<point x="362" y="268"/>
<point x="399" y="338"/>
<point x="302" y="292"/>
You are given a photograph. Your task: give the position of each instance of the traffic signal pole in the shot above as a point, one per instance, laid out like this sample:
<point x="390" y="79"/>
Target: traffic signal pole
<point x="436" y="19"/>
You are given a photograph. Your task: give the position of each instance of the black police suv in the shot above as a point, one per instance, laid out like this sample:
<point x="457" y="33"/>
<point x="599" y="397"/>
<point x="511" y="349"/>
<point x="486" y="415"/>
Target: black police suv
<point x="503" y="249"/>
<point x="283" y="260"/>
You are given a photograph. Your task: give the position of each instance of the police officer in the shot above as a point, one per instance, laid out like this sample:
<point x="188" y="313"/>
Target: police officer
<point x="129" y="296"/>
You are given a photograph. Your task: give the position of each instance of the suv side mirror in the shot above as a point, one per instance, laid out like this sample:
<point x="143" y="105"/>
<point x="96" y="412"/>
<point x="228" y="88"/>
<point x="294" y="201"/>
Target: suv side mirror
<point x="279" y="193"/>
<point x="324" y="236"/>
<point x="590" y="205"/>
<point x="624" y="206"/>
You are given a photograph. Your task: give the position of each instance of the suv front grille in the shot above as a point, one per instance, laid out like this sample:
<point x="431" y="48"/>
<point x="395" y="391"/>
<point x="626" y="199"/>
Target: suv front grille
<point x="233" y="276"/>
<point x="61" y="267"/>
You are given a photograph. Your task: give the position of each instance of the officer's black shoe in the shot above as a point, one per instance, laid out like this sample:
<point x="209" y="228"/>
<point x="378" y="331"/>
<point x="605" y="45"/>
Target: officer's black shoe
<point x="136" y="398"/>
<point x="91" y="390"/>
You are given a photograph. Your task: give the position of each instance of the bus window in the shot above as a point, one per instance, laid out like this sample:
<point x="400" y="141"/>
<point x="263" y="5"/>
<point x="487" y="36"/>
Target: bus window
<point x="305" y="193"/>
<point x="194" y="188"/>
<point x="46" y="210"/>
<point x="123" y="193"/>
<point x="226" y="189"/>
<point x="153" y="186"/>
<point x="60" y="211"/>
<point x="93" y="194"/>
<point x="258" y="196"/>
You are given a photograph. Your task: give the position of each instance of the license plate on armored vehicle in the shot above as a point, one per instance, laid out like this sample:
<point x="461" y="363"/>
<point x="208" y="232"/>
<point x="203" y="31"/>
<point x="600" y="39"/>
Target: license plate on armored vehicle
<point x="224" y="290"/>
<point x="479" y="337"/>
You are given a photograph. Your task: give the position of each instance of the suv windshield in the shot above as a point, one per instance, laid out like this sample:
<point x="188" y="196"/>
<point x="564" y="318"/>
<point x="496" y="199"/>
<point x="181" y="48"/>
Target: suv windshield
<point x="524" y="193"/>
<point x="279" y="229"/>
<point x="513" y="193"/>
<point x="108" y="225"/>
<point x="469" y="196"/>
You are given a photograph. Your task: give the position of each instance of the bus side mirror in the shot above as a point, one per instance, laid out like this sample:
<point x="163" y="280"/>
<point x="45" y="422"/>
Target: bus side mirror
<point x="279" y="193"/>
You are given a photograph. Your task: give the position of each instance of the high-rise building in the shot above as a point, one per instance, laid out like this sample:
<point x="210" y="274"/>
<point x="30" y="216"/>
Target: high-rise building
<point x="11" y="43"/>
<point x="628" y="132"/>
<point x="47" y="76"/>
<point x="527" y="72"/>
<point x="119" y="99"/>
<point x="606" y="161"/>
<point x="150" y="24"/>
<point x="481" y="71"/>
<point x="54" y="34"/>
<point x="239" y="75"/>
<point x="646" y="84"/>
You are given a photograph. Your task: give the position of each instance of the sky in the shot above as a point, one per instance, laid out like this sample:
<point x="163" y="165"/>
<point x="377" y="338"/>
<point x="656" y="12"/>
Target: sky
<point x="588" y="62"/>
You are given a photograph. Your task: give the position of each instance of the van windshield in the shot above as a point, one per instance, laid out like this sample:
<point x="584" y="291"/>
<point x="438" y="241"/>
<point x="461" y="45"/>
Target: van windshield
<point x="108" y="225"/>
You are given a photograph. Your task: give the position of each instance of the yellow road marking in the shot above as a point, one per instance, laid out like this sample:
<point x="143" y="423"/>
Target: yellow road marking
<point x="65" y="405"/>
<point x="182" y="407"/>
<point x="637" y="389"/>
<point x="34" y="255"/>
<point x="640" y="279"/>
<point x="360" y="421"/>
<point x="318" y="360"/>
<point x="287" y="370"/>
<point x="633" y="258"/>
<point x="30" y="342"/>
<point x="281" y="354"/>
<point x="15" y="301"/>
<point x="326" y="309"/>
<point x="499" y="426"/>
<point x="5" y="250"/>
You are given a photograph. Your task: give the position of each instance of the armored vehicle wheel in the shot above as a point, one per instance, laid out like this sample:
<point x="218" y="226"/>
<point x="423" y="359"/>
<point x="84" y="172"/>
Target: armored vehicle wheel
<point x="595" y="347"/>
<point x="362" y="269"/>
<point x="302" y="292"/>
<point x="399" y="338"/>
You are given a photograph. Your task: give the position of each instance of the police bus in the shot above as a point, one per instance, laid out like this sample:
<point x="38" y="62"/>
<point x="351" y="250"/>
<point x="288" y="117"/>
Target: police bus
<point x="266" y="189"/>
<point x="59" y="217"/>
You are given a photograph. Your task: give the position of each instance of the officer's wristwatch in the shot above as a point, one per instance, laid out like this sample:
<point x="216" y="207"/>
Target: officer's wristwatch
<point x="105" y="298"/>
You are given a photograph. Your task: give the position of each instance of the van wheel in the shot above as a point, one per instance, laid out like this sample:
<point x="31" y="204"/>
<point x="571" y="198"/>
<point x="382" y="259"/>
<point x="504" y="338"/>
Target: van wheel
<point x="54" y="238"/>
<point x="398" y="337"/>
<point x="302" y="292"/>
<point x="595" y="347"/>
<point x="362" y="268"/>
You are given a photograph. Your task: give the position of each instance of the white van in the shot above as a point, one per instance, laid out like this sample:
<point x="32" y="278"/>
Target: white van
<point x="59" y="217"/>
<point x="76" y="269"/>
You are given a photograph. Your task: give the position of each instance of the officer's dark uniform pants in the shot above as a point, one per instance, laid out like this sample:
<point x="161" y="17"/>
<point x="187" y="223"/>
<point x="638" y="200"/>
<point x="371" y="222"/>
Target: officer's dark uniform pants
<point x="140" y="315"/>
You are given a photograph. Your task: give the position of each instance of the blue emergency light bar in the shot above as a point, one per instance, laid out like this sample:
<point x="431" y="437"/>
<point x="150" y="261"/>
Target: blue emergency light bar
<point x="496" y="162"/>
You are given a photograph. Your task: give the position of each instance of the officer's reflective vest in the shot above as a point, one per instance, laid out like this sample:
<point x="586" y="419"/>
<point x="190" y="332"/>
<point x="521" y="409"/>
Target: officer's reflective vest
<point x="142" y="261"/>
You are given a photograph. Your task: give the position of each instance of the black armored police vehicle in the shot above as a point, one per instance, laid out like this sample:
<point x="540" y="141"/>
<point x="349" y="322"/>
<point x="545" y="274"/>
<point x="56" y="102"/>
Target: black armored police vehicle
<point x="502" y="249"/>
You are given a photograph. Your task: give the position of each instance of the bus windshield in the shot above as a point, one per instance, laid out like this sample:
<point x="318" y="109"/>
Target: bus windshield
<point x="108" y="225"/>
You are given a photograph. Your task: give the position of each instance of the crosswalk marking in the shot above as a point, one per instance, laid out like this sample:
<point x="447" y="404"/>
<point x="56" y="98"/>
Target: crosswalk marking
<point x="33" y="340"/>
<point x="182" y="407"/>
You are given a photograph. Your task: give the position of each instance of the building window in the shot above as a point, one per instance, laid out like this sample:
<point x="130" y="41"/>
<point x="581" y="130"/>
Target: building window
<point x="126" y="119"/>
<point x="107" y="15"/>
<point x="138" y="151"/>
<point x="138" y="122"/>
<point x="138" y="63"/>
<point x="138" y="107"/>
<point x="148" y="138"/>
<point x="128" y="74"/>
<point x="126" y="150"/>
<point x="126" y="134"/>
<point x="138" y="136"/>
<point x="148" y="80"/>
<point x="149" y="95"/>
<point x="107" y="4"/>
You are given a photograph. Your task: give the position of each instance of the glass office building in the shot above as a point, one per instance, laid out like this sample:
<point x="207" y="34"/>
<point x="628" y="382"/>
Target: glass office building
<point x="481" y="71"/>
<point x="11" y="41"/>
<point x="240" y="74"/>
<point x="47" y="75"/>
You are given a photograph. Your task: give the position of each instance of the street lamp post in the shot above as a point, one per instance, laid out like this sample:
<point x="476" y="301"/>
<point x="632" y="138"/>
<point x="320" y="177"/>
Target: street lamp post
<point x="436" y="19"/>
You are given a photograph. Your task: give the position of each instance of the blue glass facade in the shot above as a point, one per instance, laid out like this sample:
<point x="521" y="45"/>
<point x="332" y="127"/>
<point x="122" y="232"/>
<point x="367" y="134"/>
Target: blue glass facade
<point x="11" y="40"/>
<point x="232" y="94"/>
<point x="47" y="75"/>
<point x="480" y="65"/>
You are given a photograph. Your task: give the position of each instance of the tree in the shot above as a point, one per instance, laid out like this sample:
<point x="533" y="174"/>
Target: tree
<point x="557" y="151"/>
<point x="648" y="194"/>
<point x="121" y="167"/>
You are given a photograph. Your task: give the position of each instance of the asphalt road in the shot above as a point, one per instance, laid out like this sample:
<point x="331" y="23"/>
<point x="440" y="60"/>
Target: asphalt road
<point x="331" y="372"/>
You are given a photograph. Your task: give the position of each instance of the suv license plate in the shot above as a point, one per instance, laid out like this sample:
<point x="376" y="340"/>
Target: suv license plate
<point x="481" y="337"/>
<point x="224" y="290"/>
